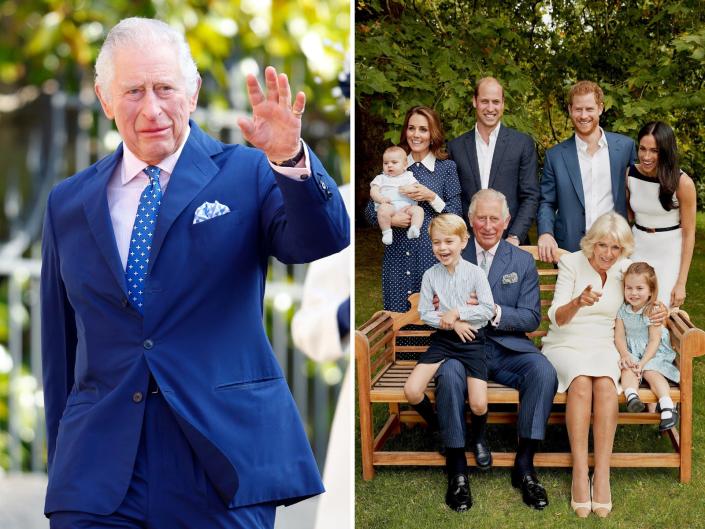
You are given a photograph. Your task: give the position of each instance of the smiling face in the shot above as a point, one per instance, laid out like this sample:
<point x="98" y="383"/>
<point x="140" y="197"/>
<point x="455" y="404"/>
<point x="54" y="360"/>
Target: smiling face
<point x="447" y="247"/>
<point x="394" y="162"/>
<point x="489" y="104"/>
<point x="605" y="253"/>
<point x="487" y="222"/>
<point x="648" y="155"/>
<point x="148" y="101"/>
<point x="636" y="290"/>
<point x="418" y="136"/>
<point x="585" y="114"/>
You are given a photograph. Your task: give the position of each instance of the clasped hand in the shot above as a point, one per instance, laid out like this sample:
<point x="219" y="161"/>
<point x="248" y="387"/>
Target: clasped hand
<point x="275" y="126"/>
<point x="418" y="192"/>
<point x="451" y="320"/>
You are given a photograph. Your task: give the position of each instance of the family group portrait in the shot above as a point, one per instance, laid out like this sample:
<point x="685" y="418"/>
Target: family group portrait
<point x="528" y="262"/>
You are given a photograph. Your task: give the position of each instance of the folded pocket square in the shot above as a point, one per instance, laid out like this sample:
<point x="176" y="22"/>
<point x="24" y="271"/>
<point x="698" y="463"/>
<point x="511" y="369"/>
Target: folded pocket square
<point x="510" y="278"/>
<point x="210" y="210"/>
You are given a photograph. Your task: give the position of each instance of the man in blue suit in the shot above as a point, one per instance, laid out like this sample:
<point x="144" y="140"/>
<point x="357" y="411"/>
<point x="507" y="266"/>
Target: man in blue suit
<point x="494" y="156"/>
<point x="165" y="406"/>
<point x="583" y="177"/>
<point x="512" y="359"/>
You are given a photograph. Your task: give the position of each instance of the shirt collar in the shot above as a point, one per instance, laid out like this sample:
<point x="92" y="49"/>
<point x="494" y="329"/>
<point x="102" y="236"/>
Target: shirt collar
<point x="493" y="134"/>
<point x="582" y="145"/>
<point x="133" y="166"/>
<point x="492" y="251"/>
<point x="429" y="162"/>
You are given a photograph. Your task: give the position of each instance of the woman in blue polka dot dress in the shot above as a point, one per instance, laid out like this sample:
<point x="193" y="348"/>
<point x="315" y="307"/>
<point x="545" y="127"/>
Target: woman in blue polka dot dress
<point x="438" y="191"/>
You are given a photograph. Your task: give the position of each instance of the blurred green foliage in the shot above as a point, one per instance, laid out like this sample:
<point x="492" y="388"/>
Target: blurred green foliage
<point x="647" y="55"/>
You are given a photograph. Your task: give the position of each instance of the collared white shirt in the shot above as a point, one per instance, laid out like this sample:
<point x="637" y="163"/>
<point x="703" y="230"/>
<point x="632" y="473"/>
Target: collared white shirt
<point x="489" y="255"/>
<point x="596" y="177"/>
<point x="429" y="162"/>
<point x="485" y="153"/>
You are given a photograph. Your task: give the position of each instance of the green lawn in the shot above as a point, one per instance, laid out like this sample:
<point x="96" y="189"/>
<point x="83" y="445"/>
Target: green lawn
<point x="413" y="497"/>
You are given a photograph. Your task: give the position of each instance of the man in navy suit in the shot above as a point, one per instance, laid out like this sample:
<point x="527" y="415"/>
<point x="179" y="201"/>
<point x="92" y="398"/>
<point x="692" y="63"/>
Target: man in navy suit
<point x="583" y="177"/>
<point x="512" y="359"/>
<point x="494" y="156"/>
<point x="165" y="406"/>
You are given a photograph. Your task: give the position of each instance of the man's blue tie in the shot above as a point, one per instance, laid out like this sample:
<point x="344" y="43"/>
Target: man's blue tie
<point x="142" y="235"/>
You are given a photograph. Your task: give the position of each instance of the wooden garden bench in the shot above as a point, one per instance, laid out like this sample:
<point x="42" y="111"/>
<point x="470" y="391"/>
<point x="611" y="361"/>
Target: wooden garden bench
<point x="384" y="360"/>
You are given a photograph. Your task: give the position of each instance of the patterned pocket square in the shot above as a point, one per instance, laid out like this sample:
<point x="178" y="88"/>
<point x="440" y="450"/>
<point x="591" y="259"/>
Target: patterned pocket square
<point x="210" y="210"/>
<point x="508" y="279"/>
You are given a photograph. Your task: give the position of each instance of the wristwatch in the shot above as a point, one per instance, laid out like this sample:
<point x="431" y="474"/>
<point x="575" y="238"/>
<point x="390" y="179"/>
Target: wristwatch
<point x="292" y="162"/>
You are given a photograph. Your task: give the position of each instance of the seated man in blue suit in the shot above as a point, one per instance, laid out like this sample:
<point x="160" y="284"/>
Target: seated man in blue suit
<point x="583" y="177"/>
<point x="165" y="406"/>
<point x="512" y="359"/>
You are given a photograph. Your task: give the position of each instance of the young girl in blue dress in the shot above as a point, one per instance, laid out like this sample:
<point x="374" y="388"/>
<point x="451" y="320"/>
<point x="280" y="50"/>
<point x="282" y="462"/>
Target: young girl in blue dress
<point x="645" y="350"/>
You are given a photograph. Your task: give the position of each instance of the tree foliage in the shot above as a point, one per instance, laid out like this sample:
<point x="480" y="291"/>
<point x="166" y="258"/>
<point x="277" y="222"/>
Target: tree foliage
<point x="647" y="55"/>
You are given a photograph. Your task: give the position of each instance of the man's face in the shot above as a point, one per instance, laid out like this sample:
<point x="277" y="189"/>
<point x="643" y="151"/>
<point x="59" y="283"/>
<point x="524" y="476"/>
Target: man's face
<point x="147" y="99"/>
<point x="585" y="114"/>
<point x="487" y="222"/>
<point x="489" y="104"/>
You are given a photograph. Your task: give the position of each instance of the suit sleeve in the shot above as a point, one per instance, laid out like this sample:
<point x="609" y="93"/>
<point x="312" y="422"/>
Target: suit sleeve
<point x="58" y="336"/>
<point x="548" y="203"/>
<point x="528" y="190"/>
<point x="302" y="220"/>
<point x="315" y="327"/>
<point x="525" y="315"/>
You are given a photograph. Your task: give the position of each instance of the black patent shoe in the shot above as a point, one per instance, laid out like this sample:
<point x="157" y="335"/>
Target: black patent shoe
<point x="483" y="456"/>
<point x="532" y="492"/>
<point x="667" y="424"/>
<point x="634" y="404"/>
<point x="458" y="495"/>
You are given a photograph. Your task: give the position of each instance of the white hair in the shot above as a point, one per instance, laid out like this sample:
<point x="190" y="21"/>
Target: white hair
<point x="143" y="33"/>
<point x="488" y="194"/>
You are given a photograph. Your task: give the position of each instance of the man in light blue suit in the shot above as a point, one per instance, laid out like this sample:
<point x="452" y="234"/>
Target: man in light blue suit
<point x="583" y="177"/>
<point x="165" y="406"/>
<point x="512" y="359"/>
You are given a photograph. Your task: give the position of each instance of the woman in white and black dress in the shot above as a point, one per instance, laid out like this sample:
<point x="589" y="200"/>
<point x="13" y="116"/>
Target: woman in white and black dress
<point x="661" y="201"/>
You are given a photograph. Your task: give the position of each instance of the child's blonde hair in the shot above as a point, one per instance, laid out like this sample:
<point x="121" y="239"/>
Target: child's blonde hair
<point x="450" y="224"/>
<point x="645" y="269"/>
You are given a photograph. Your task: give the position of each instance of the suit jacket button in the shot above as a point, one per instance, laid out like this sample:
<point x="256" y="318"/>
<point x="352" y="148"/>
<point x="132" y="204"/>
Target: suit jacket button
<point x="148" y="344"/>
<point x="124" y="303"/>
<point x="137" y="397"/>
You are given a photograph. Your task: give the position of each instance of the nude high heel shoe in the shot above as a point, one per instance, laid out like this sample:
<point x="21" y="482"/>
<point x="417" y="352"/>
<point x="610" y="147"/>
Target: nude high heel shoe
<point x="582" y="509"/>
<point x="600" y="509"/>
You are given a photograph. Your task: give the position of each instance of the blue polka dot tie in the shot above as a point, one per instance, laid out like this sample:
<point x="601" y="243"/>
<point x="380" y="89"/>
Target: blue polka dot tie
<point x="141" y="240"/>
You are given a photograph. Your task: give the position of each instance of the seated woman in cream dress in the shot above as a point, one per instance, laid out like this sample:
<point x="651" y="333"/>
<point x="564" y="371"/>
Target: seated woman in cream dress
<point x="580" y="345"/>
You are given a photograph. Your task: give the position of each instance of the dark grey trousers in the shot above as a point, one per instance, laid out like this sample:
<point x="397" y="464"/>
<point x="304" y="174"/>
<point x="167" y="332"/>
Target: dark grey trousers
<point x="530" y="373"/>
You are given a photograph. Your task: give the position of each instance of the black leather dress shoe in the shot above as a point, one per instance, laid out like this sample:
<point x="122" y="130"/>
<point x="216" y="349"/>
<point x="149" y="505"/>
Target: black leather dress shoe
<point x="532" y="492"/>
<point x="483" y="456"/>
<point x="458" y="496"/>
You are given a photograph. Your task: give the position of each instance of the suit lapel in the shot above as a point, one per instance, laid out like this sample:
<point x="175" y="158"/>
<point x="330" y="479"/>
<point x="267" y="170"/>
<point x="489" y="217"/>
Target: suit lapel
<point x="498" y="155"/>
<point x="192" y="173"/>
<point x="472" y="157"/>
<point x="570" y="158"/>
<point x="95" y="206"/>
<point x="614" y="150"/>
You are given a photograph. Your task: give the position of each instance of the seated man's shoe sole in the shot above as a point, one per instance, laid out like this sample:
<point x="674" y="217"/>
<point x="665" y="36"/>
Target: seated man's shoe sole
<point x="532" y="492"/>
<point x="458" y="495"/>
<point x="483" y="456"/>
